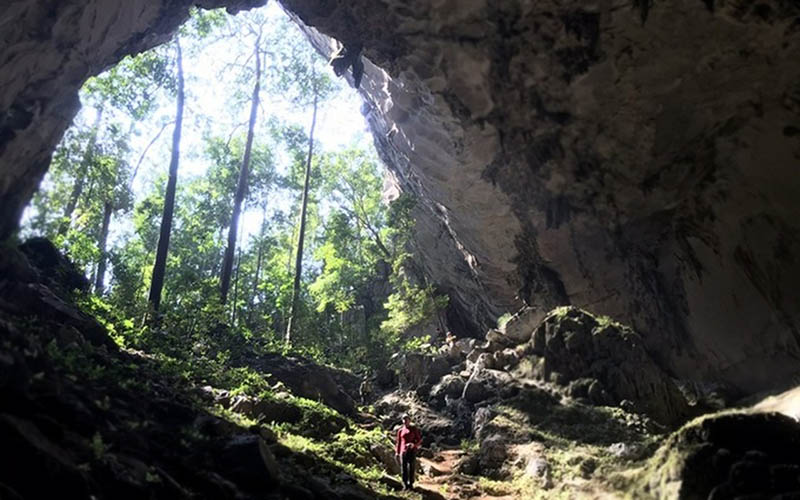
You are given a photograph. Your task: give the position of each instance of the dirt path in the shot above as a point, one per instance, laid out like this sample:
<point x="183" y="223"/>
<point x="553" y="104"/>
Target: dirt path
<point x="440" y="480"/>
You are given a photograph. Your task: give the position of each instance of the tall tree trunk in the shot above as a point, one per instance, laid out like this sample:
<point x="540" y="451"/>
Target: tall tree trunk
<point x="258" y="263"/>
<point x="298" y="265"/>
<point x="80" y="179"/>
<point x="160" y="266"/>
<point x="108" y="208"/>
<point x="236" y="286"/>
<point x="241" y="187"/>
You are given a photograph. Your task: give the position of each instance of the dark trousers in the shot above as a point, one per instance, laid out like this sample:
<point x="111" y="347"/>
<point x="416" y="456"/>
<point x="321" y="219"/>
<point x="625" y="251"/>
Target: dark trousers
<point x="408" y="461"/>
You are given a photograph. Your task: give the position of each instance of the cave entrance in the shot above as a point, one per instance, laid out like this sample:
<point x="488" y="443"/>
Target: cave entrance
<point x="251" y="90"/>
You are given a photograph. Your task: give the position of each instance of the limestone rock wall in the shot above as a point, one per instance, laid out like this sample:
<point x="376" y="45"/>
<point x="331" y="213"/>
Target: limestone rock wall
<point x="563" y="152"/>
<point x="637" y="162"/>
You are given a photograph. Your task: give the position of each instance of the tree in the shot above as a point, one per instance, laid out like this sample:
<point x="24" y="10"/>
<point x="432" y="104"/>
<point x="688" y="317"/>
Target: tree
<point x="80" y="178"/>
<point x="159" y="267"/>
<point x="309" y="84"/>
<point x="241" y="188"/>
<point x="115" y="194"/>
<point x="353" y="251"/>
<point x="298" y="266"/>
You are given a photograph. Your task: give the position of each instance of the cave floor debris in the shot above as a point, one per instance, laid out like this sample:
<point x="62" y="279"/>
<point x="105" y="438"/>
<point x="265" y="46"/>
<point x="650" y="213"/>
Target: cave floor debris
<point x="443" y="481"/>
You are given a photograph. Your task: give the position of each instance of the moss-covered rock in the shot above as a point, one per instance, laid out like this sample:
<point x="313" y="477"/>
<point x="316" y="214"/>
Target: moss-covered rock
<point x="573" y="346"/>
<point x="727" y="455"/>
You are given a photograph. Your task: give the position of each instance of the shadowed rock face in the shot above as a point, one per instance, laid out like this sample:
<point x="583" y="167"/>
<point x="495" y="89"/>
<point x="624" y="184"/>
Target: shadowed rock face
<point x="570" y="154"/>
<point x="562" y="152"/>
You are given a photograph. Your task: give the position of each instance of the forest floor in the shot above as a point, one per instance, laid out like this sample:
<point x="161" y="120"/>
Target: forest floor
<point x="83" y="417"/>
<point x="443" y="481"/>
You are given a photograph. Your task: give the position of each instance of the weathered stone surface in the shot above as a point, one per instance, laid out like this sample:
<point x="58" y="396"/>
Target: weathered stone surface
<point x="729" y="456"/>
<point x="569" y="153"/>
<point x="37" y="280"/>
<point x="488" y="383"/>
<point x="335" y="388"/>
<point x="385" y="455"/>
<point x="416" y="369"/>
<point x="55" y="270"/>
<point x="492" y="455"/>
<point x="606" y="363"/>
<point x="451" y="386"/>
<point x="33" y="452"/>
<point x="521" y="326"/>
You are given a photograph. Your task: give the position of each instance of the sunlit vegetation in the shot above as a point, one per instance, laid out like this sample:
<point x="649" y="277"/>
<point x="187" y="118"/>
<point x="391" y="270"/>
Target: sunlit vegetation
<point x="277" y="239"/>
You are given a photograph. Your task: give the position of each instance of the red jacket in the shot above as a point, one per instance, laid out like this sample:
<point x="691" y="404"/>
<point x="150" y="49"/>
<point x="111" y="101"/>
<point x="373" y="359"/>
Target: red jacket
<point x="408" y="438"/>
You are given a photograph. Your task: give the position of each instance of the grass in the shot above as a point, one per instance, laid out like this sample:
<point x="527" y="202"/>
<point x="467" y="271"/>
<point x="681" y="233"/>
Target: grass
<point x="347" y="451"/>
<point x="574" y="441"/>
<point x="470" y="446"/>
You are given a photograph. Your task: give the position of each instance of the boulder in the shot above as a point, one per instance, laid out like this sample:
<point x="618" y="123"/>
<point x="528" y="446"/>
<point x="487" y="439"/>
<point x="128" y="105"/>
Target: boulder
<point x="468" y="465"/>
<point x="385" y="455"/>
<point x="218" y="396"/>
<point x="492" y="455"/>
<point x="464" y="346"/>
<point x="588" y="390"/>
<point x="505" y="359"/>
<point x="38" y="300"/>
<point x="335" y="388"/>
<point x="477" y="390"/>
<point x="521" y="326"/>
<point x="728" y="455"/>
<point x="385" y="378"/>
<point x="424" y="391"/>
<point x="247" y="460"/>
<point x="475" y="353"/>
<point x="213" y="426"/>
<point x="450" y="385"/>
<point x="480" y="419"/>
<point x="624" y="450"/>
<point x="539" y="469"/>
<point x="486" y="383"/>
<point x="606" y="363"/>
<point x="54" y="269"/>
<point x="497" y="341"/>
<point x="417" y="369"/>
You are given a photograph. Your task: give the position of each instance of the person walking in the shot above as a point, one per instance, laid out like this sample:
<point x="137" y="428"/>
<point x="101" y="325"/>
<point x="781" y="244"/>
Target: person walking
<point x="409" y="439"/>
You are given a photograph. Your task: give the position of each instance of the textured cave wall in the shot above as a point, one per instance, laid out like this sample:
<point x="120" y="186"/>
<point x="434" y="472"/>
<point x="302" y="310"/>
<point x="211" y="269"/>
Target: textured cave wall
<point x="563" y="152"/>
<point x="569" y="152"/>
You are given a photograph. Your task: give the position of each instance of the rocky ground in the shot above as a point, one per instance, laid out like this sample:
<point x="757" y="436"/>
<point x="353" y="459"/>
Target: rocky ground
<point x="572" y="407"/>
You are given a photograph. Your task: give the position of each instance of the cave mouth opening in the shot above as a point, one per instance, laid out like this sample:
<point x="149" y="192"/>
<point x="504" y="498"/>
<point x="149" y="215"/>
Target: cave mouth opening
<point x="117" y="148"/>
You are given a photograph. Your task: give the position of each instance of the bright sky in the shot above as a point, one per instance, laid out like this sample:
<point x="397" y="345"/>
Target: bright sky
<point x="211" y="108"/>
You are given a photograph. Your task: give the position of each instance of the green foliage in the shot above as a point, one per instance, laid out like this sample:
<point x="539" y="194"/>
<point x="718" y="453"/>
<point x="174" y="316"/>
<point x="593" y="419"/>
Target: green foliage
<point x="470" y="446"/>
<point x="347" y="450"/>
<point x="359" y="295"/>
<point x="410" y="306"/>
<point x="203" y="23"/>
<point x="132" y="84"/>
<point x="421" y="344"/>
<point x="503" y="320"/>
<point x="295" y="70"/>
<point x="120" y="328"/>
